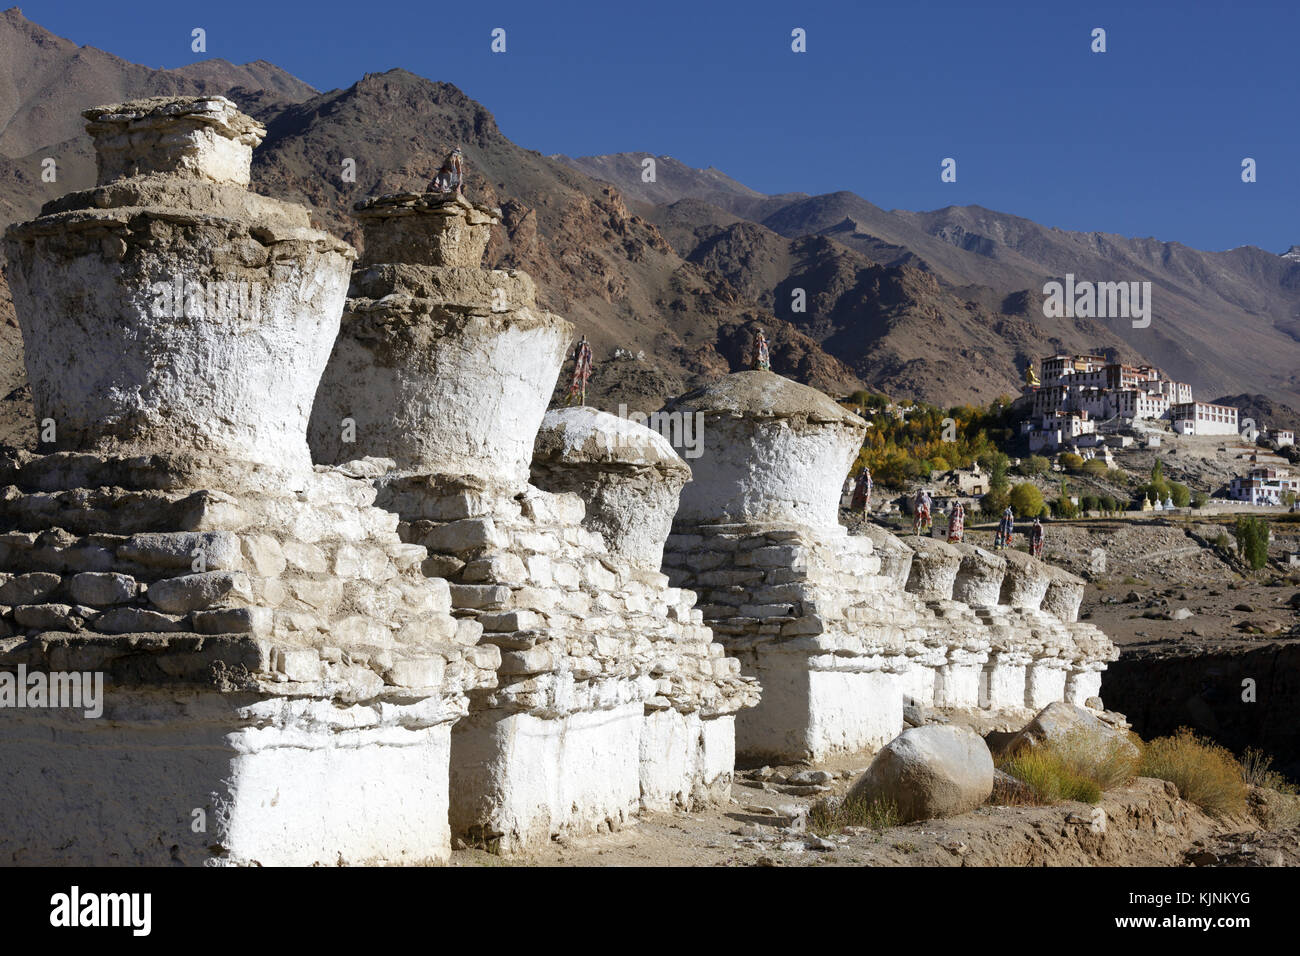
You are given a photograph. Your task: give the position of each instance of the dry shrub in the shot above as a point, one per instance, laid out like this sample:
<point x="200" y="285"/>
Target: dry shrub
<point x="1257" y="771"/>
<point x="1274" y="799"/>
<point x="1204" y="773"/>
<point x="830" y="816"/>
<point x="1078" y="766"/>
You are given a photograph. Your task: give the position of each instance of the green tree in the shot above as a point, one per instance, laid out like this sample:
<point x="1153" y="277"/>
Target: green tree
<point x="1096" y="467"/>
<point x="1071" y="462"/>
<point x="1252" y="541"/>
<point x="995" y="502"/>
<point x="1200" y="499"/>
<point x="1064" y="507"/>
<point x="1026" y="500"/>
<point x="1181" y="494"/>
<point x="1108" y="504"/>
<point x="1034" y="465"/>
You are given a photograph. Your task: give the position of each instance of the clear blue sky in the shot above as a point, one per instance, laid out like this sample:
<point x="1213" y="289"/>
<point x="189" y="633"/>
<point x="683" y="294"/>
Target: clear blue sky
<point x="1146" y="139"/>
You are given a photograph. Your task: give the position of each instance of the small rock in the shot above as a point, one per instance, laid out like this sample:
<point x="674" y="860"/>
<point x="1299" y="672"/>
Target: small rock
<point x="810" y="778"/>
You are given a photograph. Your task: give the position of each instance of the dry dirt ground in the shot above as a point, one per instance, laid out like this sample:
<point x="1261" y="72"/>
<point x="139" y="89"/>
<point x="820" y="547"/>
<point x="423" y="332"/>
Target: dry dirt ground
<point x="1145" y="824"/>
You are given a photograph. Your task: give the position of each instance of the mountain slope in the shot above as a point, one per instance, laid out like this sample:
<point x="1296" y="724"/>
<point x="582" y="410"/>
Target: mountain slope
<point x="1201" y="301"/>
<point x="601" y="265"/>
<point x="46" y="81"/>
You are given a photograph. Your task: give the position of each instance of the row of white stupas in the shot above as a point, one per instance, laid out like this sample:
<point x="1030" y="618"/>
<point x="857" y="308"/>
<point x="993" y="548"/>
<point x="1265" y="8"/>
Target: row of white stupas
<point x="354" y="592"/>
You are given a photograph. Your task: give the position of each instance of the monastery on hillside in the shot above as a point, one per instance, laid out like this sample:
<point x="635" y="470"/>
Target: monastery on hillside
<point x="1078" y="393"/>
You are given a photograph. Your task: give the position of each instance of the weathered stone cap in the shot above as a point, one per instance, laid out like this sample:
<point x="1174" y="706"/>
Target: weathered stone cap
<point x="587" y="436"/>
<point x="199" y="136"/>
<point x="215" y="111"/>
<point x="430" y="229"/>
<point x="759" y="394"/>
<point x="444" y="204"/>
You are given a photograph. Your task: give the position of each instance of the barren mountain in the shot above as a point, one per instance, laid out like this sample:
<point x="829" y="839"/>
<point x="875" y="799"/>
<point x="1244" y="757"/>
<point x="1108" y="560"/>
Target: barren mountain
<point x="881" y="320"/>
<point x="674" y="274"/>
<point x="45" y="82"/>
<point x="1201" y="301"/>
<point x="605" y="268"/>
<point x="674" y="180"/>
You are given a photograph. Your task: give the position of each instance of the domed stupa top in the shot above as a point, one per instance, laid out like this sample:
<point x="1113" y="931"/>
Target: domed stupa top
<point x="628" y="475"/>
<point x="772" y="452"/>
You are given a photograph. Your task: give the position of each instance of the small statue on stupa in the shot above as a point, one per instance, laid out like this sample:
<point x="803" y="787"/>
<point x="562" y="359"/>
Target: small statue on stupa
<point x="451" y="177"/>
<point x="761" y="359"/>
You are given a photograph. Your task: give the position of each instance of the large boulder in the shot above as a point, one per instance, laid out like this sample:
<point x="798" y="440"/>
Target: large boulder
<point x="1064" y="723"/>
<point x="937" y="770"/>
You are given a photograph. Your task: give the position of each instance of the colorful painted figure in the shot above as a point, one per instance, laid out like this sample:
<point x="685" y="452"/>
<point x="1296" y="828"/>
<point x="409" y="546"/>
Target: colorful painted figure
<point x="581" y="372"/>
<point x="761" y="359"/>
<point x="921" y="522"/>
<point x="956" y="522"/>
<point x="1036" y="539"/>
<point x="862" y="492"/>
<point x="1006" y="528"/>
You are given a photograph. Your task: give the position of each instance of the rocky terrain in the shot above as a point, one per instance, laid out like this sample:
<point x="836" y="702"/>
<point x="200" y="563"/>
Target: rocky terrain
<point x="765" y="824"/>
<point x="992" y="260"/>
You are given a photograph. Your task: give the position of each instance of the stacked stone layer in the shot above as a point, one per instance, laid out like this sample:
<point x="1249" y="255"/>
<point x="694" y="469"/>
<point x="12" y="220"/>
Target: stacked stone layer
<point x="837" y="628"/>
<point x="606" y="671"/>
<point x="275" y="657"/>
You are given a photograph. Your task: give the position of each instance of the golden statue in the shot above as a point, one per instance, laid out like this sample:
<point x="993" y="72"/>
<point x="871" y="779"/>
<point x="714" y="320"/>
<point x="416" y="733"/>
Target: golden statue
<point x="1030" y="378"/>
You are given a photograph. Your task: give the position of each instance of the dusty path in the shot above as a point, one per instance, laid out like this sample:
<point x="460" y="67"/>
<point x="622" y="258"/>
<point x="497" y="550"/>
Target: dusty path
<point x="1145" y="824"/>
